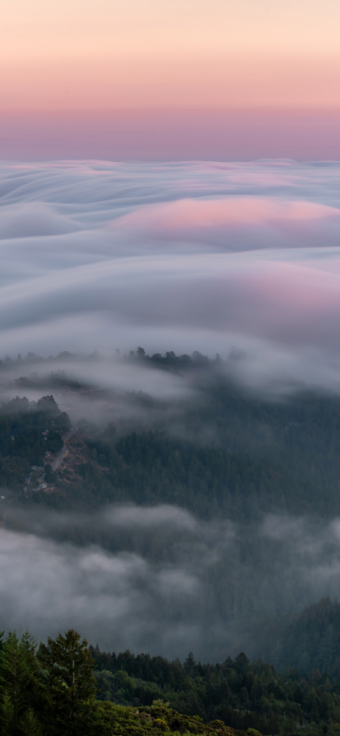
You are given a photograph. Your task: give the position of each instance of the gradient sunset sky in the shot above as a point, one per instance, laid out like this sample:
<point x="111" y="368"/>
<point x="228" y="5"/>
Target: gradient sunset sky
<point x="143" y="58"/>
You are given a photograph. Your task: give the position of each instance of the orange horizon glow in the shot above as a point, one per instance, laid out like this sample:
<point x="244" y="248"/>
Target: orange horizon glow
<point x="169" y="54"/>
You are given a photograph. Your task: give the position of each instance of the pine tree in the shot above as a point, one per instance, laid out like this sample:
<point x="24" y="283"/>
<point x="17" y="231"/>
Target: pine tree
<point x="14" y="674"/>
<point x="70" y="684"/>
<point x="29" y="724"/>
<point x="6" y="715"/>
<point x="33" y="685"/>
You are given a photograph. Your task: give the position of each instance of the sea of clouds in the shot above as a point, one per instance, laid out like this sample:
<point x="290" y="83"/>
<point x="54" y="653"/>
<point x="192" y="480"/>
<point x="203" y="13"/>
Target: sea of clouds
<point x="180" y="257"/>
<point x="240" y="259"/>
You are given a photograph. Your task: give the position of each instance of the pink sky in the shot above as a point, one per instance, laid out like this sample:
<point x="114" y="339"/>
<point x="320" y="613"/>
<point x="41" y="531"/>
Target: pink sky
<point x="171" y="135"/>
<point x="139" y="58"/>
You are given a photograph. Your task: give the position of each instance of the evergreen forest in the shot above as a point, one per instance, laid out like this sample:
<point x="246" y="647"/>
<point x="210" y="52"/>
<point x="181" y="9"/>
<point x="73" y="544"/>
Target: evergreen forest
<point x="65" y="687"/>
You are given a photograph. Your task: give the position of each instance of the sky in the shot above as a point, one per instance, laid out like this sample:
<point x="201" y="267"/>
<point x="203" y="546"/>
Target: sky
<point x="110" y="54"/>
<point x="103" y="76"/>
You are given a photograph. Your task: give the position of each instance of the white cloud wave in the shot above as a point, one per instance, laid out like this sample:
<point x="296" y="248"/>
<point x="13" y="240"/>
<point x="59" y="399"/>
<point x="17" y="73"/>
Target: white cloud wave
<point x="177" y="256"/>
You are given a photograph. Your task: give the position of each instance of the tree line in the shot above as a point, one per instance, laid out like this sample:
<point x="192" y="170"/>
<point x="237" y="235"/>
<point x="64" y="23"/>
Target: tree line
<point x="245" y="696"/>
<point x="50" y="690"/>
<point x="65" y="688"/>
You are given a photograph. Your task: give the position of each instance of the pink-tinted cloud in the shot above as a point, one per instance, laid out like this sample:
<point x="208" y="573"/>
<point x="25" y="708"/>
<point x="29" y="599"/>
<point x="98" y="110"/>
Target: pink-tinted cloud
<point x="180" y="216"/>
<point x="234" y="223"/>
<point x="248" y="218"/>
<point x="183" y="257"/>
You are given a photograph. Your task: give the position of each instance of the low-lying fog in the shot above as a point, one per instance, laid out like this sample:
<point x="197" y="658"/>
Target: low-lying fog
<point x="163" y="581"/>
<point x="237" y="259"/>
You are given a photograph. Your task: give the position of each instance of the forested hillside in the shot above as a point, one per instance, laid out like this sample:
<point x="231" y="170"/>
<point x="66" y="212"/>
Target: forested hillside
<point x="228" y="453"/>
<point x="310" y="641"/>
<point x="242" y="694"/>
<point x="27" y="431"/>
<point x="229" y="457"/>
<point x="64" y="688"/>
<point x="51" y="691"/>
<point x="150" y="468"/>
<point x="222" y="450"/>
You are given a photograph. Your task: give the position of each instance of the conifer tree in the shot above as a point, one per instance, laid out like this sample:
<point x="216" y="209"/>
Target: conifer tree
<point x="30" y="725"/>
<point x="69" y="685"/>
<point x="6" y="715"/>
<point x="15" y="675"/>
<point x="33" y="685"/>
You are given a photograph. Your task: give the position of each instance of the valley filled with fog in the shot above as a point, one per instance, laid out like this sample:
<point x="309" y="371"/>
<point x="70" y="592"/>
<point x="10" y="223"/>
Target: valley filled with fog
<point x="185" y="319"/>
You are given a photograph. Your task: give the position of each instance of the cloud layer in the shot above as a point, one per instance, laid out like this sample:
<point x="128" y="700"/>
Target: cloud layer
<point x="176" y="256"/>
<point x="160" y="580"/>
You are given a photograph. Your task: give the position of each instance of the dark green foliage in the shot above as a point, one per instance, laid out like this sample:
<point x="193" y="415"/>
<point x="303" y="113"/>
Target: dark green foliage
<point x="225" y="452"/>
<point x="6" y="715"/>
<point x="30" y="725"/>
<point x="310" y="641"/>
<point x="54" y="442"/>
<point x="53" y="694"/>
<point x="19" y="681"/>
<point x="62" y="422"/>
<point x="252" y="697"/>
<point x="150" y="468"/>
<point x="49" y="475"/>
<point x="22" y="442"/>
<point x="159" y="718"/>
<point x="15" y="674"/>
<point x="69" y="685"/>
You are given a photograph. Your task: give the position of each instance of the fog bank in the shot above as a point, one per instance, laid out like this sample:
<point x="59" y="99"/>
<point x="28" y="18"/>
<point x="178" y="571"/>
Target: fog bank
<point x="160" y="580"/>
<point x="175" y="257"/>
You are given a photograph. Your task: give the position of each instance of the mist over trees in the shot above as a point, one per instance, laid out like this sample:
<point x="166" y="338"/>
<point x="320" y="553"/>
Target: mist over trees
<point x="258" y="478"/>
